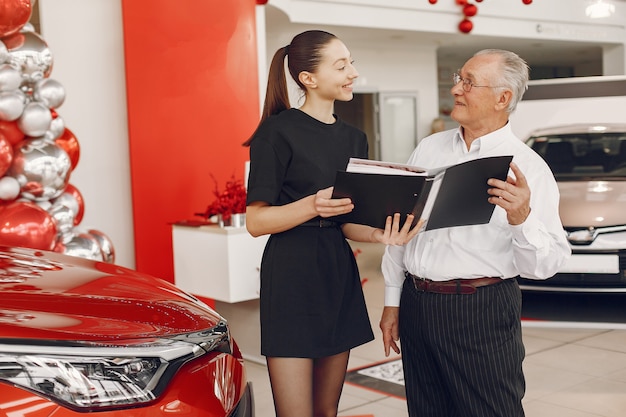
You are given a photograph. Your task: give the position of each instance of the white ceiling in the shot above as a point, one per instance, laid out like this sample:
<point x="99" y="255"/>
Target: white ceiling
<point x="458" y="47"/>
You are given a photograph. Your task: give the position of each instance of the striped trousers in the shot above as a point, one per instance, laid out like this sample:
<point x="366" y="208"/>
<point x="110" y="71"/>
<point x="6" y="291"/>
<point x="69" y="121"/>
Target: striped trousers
<point x="462" y="354"/>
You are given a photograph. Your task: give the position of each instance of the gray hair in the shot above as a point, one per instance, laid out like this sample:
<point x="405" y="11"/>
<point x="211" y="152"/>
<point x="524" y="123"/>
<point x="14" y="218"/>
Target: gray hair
<point x="514" y="74"/>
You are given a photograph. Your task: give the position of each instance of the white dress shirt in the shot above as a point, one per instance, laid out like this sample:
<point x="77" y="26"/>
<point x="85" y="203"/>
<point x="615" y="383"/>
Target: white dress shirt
<point x="534" y="249"/>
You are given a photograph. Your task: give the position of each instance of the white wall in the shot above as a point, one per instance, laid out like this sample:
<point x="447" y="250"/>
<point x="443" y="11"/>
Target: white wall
<point x="86" y="41"/>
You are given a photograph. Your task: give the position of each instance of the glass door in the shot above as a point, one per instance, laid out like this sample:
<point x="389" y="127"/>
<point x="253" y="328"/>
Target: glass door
<point x="398" y="125"/>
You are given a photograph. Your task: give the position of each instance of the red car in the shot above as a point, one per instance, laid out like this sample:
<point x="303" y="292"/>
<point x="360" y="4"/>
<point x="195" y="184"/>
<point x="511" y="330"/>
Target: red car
<point x="78" y="337"/>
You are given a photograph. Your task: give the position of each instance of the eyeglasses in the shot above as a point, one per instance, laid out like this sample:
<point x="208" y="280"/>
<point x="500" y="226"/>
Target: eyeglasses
<point x="467" y="84"/>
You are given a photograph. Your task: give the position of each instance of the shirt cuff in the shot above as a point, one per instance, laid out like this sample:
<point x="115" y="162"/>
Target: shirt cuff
<point x="523" y="233"/>
<point x="392" y="296"/>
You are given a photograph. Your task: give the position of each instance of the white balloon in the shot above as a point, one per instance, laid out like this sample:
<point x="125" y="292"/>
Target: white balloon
<point x="35" y="119"/>
<point x="9" y="188"/>
<point x="57" y="127"/>
<point x="11" y="105"/>
<point x="49" y="92"/>
<point x="10" y="78"/>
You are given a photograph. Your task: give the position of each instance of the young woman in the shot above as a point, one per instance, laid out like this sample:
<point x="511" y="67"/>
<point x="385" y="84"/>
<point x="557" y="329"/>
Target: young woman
<point x="312" y="306"/>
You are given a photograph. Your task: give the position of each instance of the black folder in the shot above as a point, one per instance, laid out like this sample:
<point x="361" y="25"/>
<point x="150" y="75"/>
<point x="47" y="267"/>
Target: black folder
<point x="446" y="197"/>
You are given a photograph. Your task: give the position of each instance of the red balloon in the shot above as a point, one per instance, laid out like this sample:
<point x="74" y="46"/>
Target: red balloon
<point x="14" y="14"/>
<point x="6" y="154"/>
<point x="261" y="2"/>
<point x="432" y="1"/>
<point x="461" y="2"/>
<point x="527" y="1"/>
<point x="27" y="225"/>
<point x="68" y="142"/>
<point x="466" y="26"/>
<point x="470" y="10"/>
<point x="11" y="132"/>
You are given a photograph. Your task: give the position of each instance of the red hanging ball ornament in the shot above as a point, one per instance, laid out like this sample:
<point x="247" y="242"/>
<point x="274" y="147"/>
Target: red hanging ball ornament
<point x="461" y="2"/>
<point x="478" y="1"/>
<point x="470" y="10"/>
<point x="466" y="26"/>
<point x="527" y="1"/>
<point x="432" y="1"/>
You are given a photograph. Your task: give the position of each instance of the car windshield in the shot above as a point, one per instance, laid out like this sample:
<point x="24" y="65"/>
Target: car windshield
<point x="572" y="156"/>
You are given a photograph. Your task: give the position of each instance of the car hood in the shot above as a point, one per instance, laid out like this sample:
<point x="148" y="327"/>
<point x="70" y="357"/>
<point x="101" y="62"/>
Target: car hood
<point x="592" y="203"/>
<point x="56" y="297"/>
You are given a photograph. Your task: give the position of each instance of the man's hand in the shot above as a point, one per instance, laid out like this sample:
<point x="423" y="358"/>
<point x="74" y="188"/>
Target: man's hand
<point x="390" y="329"/>
<point x="513" y="195"/>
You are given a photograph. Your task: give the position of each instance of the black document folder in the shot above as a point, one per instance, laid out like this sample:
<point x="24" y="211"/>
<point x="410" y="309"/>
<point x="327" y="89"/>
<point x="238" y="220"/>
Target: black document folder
<point x="446" y="197"/>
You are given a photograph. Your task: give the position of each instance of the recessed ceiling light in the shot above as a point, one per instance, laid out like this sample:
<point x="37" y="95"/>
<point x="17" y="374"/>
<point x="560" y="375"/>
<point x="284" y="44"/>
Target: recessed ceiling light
<point x="599" y="9"/>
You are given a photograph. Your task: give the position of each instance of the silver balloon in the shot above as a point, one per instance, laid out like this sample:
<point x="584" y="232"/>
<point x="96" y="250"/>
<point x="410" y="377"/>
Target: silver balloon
<point x="68" y="200"/>
<point x="64" y="218"/>
<point x="82" y="245"/>
<point x="28" y="27"/>
<point x="31" y="56"/>
<point x="12" y="105"/>
<point x="41" y="167"/>
<point x="57" y="127"/>
<point x="106" y="245"/>
<point x="49" y="92"/>
<point x="9" y="188"/>
<point x="35" y="119"/>
<point x="10" y="78"/>
<point x="4" y="53"/>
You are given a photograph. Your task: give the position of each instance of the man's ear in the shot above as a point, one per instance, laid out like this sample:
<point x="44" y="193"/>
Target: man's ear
<point x="307" y="79"/>
<point x="504" y="98"/>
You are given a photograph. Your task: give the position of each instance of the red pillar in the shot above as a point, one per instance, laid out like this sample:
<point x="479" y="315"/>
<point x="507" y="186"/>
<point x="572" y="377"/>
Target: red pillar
<point x="192" y="91"/>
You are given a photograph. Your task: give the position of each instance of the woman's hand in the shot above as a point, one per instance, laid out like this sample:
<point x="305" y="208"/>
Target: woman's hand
<point x="396" y="235"/>
<point x="326" y="206"/>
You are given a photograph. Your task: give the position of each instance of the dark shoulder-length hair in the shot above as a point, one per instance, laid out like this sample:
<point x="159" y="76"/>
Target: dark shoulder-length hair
<point x="304" y="53"/>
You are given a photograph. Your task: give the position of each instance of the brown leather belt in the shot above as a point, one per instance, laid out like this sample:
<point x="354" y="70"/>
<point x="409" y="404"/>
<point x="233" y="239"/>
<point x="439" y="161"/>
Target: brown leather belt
<point x="455" y="286"/>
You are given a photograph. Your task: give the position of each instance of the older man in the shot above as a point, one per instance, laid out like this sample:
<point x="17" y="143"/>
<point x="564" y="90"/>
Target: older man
<point x="451" y="296"/>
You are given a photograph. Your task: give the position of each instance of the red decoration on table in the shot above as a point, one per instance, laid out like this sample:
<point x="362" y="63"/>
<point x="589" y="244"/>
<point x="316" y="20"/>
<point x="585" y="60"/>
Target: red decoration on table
<point x="228" y="202"/>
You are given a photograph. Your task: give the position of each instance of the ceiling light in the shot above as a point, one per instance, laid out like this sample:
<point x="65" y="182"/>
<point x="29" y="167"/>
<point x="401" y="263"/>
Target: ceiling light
<point x="599" y="9"/>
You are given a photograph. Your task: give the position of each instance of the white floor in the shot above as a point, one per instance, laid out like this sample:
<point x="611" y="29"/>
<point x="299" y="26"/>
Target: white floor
<point x="570" y="371"/>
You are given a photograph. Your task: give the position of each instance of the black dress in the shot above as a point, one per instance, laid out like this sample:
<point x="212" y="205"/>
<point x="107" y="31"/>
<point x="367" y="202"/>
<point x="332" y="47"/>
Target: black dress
<point x="312" y="303"/>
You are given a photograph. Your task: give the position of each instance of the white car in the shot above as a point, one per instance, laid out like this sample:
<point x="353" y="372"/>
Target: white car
<point x="589" y="164"/>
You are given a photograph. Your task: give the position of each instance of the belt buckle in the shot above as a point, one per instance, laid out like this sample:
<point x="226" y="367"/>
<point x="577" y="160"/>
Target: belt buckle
<point x="420" y="284"/>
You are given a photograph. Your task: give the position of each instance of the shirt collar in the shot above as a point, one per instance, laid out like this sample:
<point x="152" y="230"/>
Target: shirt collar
<point x="484" y="144"/>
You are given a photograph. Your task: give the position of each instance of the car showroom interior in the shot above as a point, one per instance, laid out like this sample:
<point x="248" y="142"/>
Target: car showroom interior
<point x="131" y="280"/>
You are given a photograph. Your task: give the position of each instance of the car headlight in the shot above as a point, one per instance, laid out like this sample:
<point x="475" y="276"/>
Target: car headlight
<point x="91" y="377"/>
<point x="85" y="381"/>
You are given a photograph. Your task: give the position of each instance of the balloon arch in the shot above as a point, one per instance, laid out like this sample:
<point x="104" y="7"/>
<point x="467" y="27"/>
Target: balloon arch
<point x="39" y="207"/>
